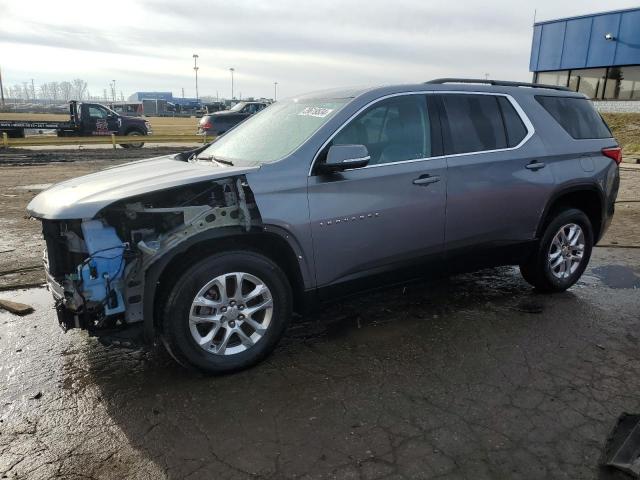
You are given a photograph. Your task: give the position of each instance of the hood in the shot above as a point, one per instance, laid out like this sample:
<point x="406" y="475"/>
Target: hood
<point x="127" y="118"/>
<point x="84" y="197"/>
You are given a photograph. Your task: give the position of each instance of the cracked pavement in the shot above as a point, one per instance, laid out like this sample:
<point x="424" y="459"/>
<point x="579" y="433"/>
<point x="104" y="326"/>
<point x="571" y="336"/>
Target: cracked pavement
<point x="472" y="377"/>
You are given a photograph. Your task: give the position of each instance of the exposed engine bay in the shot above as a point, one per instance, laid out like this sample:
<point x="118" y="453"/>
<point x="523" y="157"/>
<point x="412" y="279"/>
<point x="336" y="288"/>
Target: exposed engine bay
<point x="96" y="267"/>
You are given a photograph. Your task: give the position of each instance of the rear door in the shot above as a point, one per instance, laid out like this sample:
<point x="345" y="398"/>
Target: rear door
<point x="498" y="183"/>
<point x="391" y="212"/>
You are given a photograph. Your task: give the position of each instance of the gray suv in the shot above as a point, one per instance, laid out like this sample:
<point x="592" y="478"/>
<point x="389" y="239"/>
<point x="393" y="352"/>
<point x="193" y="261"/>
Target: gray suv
<point x="314" y="197"/>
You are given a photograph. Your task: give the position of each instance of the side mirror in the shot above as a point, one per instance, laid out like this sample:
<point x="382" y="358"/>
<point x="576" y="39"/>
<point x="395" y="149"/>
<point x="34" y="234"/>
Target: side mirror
<point x="345" y="157"/>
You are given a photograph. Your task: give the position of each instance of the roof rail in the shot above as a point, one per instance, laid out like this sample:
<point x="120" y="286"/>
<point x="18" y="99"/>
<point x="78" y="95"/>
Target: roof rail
<point x="502" y="83"/>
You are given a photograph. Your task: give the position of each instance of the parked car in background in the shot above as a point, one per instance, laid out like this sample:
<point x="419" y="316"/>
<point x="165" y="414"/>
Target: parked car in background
<point x="220" y="122"/>
<point x="212" y="250"/>
<point x="214" y="107"/>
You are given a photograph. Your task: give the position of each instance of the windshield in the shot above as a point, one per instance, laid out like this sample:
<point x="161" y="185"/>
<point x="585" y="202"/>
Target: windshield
<point x="237" y="107"/>
<point x="273" y="133"/>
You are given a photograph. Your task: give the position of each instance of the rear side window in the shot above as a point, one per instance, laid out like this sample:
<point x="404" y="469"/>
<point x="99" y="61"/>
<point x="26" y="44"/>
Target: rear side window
<point x="576" y="115"/>
<point x="514" y="126"/>
<point x="474" y="123"/>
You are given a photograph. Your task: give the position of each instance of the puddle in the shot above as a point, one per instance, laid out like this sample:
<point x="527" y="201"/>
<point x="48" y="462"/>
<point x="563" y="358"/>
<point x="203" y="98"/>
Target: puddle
<point x="617" y="276"/>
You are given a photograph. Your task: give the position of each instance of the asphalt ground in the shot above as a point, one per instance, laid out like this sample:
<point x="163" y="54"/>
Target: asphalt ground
<point x="474" y="377"/>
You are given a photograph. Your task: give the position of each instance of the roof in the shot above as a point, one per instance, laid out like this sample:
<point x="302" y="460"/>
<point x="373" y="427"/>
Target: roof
<point x="587" y="15"/>
<point x="382" y="90"/>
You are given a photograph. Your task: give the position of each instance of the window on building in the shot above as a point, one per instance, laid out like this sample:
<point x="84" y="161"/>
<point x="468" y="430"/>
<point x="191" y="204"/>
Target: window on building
<point x="589" y="81"/>
<point x="553" y="78"/>
<point x="576" y="115"/>
<point x="475" y="123"/>
<point x="623" y="83"/>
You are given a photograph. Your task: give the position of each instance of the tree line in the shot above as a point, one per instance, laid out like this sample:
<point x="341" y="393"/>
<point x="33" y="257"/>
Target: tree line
<point x="53" y="91"/>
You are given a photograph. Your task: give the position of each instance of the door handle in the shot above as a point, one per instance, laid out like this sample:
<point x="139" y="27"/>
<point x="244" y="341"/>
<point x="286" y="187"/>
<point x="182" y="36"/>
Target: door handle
<point x="535" y="165"/>
<point x="426" y="179"/>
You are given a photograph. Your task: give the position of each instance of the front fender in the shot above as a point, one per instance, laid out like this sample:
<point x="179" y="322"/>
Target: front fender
<point x="157" y="267"/>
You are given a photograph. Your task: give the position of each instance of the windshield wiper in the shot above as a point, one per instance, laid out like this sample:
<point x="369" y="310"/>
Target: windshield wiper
<point x="224" y="162"/>
<point x="215" y="159"/>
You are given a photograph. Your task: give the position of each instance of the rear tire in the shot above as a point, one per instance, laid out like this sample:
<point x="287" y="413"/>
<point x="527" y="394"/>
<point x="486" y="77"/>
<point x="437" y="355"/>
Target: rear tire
<point x="211" y="325"/>
<point x="562" y="253"/>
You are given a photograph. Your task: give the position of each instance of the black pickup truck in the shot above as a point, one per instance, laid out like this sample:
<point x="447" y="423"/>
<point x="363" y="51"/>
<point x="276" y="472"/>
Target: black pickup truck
<point x="85" y="119"/>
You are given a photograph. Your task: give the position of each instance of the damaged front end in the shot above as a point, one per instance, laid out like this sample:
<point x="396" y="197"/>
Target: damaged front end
<point x="96" y="268"/>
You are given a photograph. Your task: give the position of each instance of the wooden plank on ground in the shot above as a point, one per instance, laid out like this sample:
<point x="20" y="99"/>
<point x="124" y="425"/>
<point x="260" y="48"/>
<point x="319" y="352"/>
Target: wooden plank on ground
<point x="15" y="307"/>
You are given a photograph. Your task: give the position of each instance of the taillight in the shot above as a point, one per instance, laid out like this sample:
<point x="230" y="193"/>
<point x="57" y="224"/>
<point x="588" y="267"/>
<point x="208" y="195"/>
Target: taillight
<point x="614" y="153"/>
<point x="207" y="126"/>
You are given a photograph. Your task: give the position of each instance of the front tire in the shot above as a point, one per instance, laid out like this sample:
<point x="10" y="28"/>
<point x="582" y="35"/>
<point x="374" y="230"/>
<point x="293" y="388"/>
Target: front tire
<point x="562" y="253"/>
<point x="133" y="133"/>
<point x="227" y="312"/>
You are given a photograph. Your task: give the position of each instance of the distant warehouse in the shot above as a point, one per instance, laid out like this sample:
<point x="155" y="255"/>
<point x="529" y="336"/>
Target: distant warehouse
<point x="163" y="103"/>
<point x="598" y="55"/>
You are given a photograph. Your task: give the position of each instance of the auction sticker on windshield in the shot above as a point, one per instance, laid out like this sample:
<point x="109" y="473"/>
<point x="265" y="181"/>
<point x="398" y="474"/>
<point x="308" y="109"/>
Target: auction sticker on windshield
<point x="316" y="112"/>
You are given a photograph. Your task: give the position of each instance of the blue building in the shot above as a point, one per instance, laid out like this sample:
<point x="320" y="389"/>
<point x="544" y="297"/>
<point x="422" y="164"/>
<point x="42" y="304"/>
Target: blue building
<point x="166" y="96"/>
<point x="598" y="55"/>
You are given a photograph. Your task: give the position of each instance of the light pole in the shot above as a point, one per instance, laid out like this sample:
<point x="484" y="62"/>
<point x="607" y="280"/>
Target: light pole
<point x="195" y="69"/>
<point x="232" y="70"/>
<point x="113" y="90"/>
<point x="1" y="90"/>
<point x="275" y="91"/>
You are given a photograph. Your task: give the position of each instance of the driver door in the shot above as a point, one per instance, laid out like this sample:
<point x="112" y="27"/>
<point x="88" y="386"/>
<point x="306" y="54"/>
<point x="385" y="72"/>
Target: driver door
<point x="100" y="121"/>
<point x="390" y="213"/>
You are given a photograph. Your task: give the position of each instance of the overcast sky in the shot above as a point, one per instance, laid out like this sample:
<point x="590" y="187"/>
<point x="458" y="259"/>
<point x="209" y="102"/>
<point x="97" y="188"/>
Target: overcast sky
<point x="303" y="45"/>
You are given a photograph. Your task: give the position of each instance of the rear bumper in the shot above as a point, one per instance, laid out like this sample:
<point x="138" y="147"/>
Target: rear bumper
<point x="611" y="194"/>
<point x="210" y="133"/>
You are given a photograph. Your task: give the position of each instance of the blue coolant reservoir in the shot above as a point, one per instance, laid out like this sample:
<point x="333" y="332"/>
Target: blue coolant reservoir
<point x="102" y="271"/>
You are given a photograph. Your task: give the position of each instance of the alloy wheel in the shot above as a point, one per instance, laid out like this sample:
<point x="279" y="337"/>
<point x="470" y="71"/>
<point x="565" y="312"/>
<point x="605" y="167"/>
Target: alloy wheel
<point x="231" y="313"/>
<point x="566" y="251"/>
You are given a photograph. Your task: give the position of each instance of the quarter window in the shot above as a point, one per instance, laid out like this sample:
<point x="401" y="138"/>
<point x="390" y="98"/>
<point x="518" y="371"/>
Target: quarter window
<point x="393" y="130"/>
<point x="474" y="123"/>
<point x="576" y="115"/>
<point x="516" y="131"/>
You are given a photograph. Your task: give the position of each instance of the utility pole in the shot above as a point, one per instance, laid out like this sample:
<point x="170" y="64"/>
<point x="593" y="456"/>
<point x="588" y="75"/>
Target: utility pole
<point x="1" y="90"/>
<point x="33" y="90"/>
<point x="195" y="68"/>
<point x="182" y="92"/>
<point x="232" y="70"/>
<point x="275" y="91"/>
<point x="113" y="90"/>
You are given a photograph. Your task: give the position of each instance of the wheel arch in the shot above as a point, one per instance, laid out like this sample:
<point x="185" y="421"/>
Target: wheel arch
<point x="586" y="197"/>
<point x="278" y="246"/>
<point x="134" y="128"/>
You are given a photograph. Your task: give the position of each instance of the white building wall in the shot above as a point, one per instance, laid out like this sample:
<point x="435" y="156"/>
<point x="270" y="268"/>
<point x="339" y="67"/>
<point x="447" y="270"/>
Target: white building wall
<point x="617" y="106"/>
